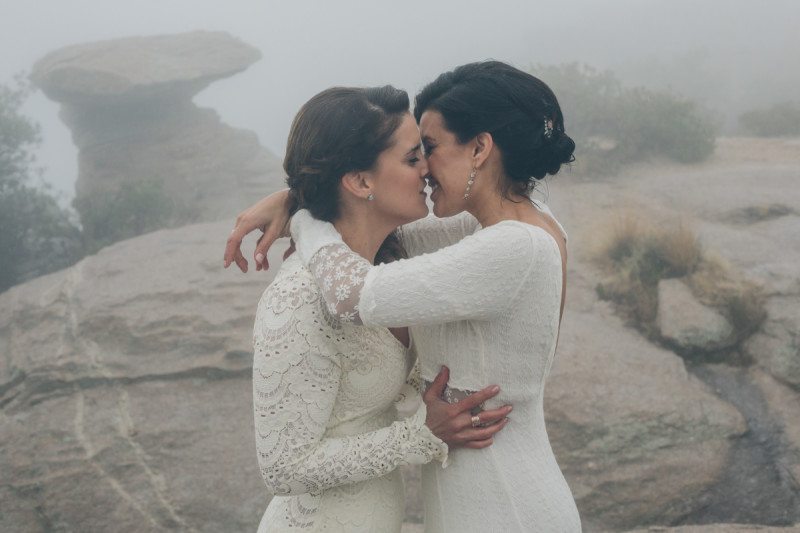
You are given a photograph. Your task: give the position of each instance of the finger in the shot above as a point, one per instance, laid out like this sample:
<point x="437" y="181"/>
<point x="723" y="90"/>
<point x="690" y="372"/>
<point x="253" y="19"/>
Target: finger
<point x="493" y="416"/>
<point x="474" y="400"/>
<point x="478" y="444"/>
<point x="233" y="245"/>
<point x="289" y="251"/>
<point x="241" y="262"/>
<point x="264" y="244"/>
<point x="482" y="433"/>
<point x="436" y="389"/>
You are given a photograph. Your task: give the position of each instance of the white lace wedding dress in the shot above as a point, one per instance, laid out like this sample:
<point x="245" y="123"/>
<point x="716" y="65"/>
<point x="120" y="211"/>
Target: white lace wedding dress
<point x="325" y="395"/>
<point x="486" y="304"/>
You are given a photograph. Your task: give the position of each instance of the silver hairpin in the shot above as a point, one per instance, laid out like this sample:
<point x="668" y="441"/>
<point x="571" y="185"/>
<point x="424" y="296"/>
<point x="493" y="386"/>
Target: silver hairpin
<point x="548" y="128"/>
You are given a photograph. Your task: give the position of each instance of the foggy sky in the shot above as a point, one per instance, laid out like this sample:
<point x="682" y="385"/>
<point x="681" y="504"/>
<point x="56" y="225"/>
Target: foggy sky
<point x="733" y="54"/>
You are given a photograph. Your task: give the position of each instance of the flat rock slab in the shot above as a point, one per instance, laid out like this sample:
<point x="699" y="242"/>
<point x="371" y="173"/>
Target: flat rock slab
<point x="141" y="68"/>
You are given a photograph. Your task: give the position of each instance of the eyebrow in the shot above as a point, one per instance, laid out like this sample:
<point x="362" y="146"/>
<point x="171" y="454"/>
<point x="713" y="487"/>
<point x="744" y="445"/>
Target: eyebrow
<point x="414" y="149"/>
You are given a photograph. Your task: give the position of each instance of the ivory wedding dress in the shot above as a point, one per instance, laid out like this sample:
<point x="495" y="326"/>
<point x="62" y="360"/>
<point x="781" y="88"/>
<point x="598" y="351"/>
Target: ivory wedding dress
<point x="486" y="303"/>
<point x="325" y="396"/>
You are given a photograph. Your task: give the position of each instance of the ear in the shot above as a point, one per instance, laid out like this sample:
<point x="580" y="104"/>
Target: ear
<point x="483" y="146"/>
<point x="359" y="184"/>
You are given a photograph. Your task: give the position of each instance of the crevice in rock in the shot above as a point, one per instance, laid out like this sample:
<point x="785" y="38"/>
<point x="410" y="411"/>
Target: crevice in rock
<point x="38" y="389"/>
<point x="756" y="487"/>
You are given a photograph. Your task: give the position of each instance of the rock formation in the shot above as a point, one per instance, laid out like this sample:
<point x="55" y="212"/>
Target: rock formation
<point x="129" y="105"/>
<point x="687" y="323"/>
<point x="126" y="399"/>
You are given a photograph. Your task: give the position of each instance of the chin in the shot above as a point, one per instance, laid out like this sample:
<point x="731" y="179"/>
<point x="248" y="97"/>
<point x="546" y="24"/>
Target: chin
<point x="441" y="211"/>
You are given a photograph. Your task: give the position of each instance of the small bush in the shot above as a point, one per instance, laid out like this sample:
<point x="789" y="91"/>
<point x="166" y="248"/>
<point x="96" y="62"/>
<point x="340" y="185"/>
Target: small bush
<point x="637" y="255"/>
<point x="717" y="284"/>
<point x="133" y="209"/>
<point x="780" y="120"/>
<point x="38" y="236"/>
<point x="613" y="126"/>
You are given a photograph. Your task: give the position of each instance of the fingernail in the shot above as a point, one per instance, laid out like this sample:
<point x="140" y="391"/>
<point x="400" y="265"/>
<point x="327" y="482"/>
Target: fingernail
<point x="509" y="409"/>
<point x="260" y="258"/>
<point x="495" y="389"/>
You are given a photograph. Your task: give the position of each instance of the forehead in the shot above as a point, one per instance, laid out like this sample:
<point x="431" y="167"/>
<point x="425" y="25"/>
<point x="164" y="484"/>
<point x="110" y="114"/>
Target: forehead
<point x="431" y="123"/>
<point x="407" y="131"/>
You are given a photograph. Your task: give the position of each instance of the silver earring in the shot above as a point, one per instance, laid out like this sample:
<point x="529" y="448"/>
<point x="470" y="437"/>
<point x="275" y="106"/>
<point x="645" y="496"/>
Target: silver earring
<point x="370" y="197"/>
<point x="470" y="181"/>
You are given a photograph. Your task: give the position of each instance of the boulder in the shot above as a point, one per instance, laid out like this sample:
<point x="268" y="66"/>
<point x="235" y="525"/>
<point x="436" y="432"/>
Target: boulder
<point x="776" y="346"/>
<point x="129" y="105"/>
<point x="125" y="387"/>
<point x="687" y="323"/>
<point x="125" y="393"/>
<point x="637" y="436"/>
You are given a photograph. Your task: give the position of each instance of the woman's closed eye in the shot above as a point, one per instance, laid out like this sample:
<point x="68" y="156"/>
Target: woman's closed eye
<point x="428" y="149"/>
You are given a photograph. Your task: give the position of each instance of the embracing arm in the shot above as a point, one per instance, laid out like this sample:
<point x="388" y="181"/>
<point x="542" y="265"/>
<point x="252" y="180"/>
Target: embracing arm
<point x="294" y="391"/>
<point x="432" y="233"/>
<point x="476" y="278"/>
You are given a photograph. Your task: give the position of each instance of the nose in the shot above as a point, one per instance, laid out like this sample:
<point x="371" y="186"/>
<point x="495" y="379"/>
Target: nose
<point x="423" y="168"/>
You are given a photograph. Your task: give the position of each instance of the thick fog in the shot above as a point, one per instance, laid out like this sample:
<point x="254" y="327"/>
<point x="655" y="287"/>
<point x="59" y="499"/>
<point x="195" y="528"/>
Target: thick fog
<point x="729" y="55"/>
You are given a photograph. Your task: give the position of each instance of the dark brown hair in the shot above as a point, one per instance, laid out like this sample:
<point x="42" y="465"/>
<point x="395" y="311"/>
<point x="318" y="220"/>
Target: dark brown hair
<point x="519" y="111"/>
<point x="340" y="130"/>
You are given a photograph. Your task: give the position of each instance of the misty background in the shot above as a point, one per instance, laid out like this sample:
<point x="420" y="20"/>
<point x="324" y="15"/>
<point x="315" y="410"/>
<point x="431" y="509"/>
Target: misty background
<point x="729" y="56"/>
<point x="126" y="349"/>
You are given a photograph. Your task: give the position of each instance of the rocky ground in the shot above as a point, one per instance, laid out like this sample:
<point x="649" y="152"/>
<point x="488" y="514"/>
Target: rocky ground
<point x="125" y="380"/>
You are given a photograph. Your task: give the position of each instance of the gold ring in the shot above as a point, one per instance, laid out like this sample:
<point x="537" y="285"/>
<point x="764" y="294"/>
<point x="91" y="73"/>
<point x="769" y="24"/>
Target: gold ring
<point x="476" y="421"/>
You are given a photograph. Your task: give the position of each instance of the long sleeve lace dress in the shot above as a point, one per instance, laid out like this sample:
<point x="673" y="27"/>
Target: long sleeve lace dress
<point x="327" y="434"/>
<point x="486" y="304"/>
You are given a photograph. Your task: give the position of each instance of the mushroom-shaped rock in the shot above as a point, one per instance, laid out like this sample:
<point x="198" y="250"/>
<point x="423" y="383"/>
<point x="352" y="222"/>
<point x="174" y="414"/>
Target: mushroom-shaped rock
<point x="141" y="68"/>
<point x="129" y="105"/>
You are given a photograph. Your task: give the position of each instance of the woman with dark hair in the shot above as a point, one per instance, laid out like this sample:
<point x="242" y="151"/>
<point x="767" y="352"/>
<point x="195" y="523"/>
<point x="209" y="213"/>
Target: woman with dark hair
<point x="328" y="436"/>
<point x="483" y="289"/>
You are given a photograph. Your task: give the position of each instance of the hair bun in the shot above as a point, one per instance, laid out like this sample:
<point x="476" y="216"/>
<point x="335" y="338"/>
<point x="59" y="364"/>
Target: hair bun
<point x="556" y="151"/>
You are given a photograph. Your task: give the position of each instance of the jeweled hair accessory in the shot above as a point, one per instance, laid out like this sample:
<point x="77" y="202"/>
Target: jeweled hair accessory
<point x="548" y="128"/>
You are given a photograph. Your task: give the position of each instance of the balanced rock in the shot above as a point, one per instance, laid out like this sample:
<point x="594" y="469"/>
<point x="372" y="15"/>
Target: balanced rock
<point x="129" y="105"/>
<point x="689" y="324"/>
<point x="121" y="71"/>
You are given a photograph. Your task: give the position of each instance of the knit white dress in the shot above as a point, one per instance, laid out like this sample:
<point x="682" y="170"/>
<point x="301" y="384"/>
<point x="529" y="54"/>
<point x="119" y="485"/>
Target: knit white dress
<point x="325" y="396"/>
<point x="487" y="305"/>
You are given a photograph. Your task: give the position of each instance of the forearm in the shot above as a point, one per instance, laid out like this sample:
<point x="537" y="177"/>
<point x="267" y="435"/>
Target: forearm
<point x="331" y="462"/>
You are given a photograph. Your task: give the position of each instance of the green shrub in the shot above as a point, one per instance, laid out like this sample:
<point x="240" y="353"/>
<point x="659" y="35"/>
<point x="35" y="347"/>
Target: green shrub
<point x="38" y="236"/>
<point x="613" y="125"/>
<point x="780" y="120"/>
<point x="133" y="209"/>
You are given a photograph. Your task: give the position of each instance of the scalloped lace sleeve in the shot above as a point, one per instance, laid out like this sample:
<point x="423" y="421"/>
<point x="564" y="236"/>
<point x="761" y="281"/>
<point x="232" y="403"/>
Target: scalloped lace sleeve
<point x="475" y="279"/>
<point x="295" y="385"/>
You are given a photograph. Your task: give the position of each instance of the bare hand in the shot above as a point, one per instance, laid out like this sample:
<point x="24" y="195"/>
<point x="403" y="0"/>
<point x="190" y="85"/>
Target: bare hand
<point x="271" y="216"/>
<point x="453" y="422"/>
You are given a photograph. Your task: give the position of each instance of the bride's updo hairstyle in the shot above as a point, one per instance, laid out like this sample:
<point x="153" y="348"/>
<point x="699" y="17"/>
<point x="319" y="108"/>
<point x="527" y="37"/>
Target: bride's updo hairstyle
<point x="519" y="111"/>
<point x="340" y="130"/>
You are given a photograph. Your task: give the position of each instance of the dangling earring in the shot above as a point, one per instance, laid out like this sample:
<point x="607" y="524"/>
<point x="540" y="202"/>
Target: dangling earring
<point x="470" y="181"/>
<point x="370" y="197"/>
